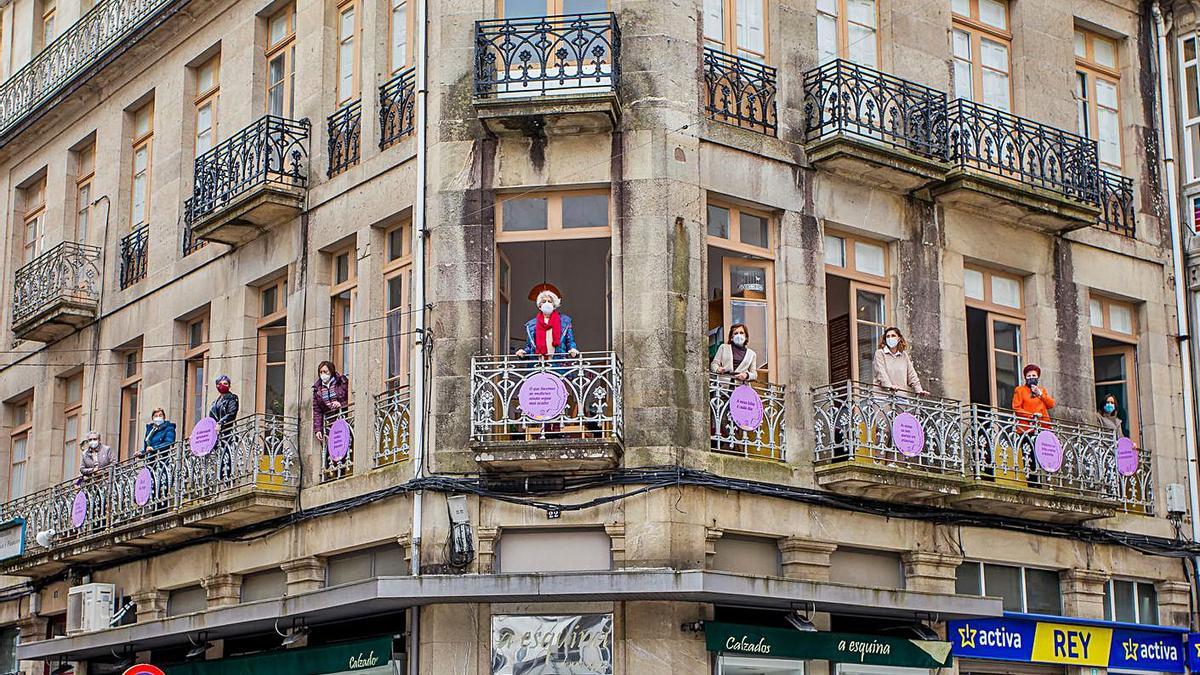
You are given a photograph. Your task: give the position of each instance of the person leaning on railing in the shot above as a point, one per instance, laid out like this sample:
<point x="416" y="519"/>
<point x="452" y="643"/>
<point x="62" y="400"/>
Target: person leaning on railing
<point x="894" y="370"/>
<point x="160" y="434"/>
<point x="330" y="394"/>
<point x="735" y="358"/>
<point x="96" y="456"/>
<point x="1032" y="401"/>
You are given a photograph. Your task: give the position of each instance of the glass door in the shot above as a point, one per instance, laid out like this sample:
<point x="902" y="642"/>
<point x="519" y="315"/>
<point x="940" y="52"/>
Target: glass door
<point x="749" y="299"/>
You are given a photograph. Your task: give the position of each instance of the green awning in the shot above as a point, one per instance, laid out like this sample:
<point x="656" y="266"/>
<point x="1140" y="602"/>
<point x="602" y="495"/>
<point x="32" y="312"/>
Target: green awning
<point x="876" y="650"/>
<point x="360" y="657"/>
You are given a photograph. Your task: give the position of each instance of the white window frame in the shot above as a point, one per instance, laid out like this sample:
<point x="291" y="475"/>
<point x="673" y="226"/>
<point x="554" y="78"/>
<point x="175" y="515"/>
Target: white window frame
<point x="1137" y="600"/>
<point x="1024" y="588"/>
<point x="1191" y="170"/>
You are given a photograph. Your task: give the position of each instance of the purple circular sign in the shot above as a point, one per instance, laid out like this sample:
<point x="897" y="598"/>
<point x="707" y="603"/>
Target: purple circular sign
<point x="79" y="509"/>
<point x="204" y="437"/>
<point x="908" y="435"/>
<point x="543" y="396"/>
<point x="1127" y="459"/>
<point x="142" y="485"/>
<point x="1048" y="451"/>
<point x="338" y="443"/>
<point x="745" y="407"/>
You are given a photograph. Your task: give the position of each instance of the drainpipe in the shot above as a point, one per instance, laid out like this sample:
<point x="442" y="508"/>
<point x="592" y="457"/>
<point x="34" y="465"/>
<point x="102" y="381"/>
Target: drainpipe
<point x="416" y="390"/>
<point x="1186" y="345"/>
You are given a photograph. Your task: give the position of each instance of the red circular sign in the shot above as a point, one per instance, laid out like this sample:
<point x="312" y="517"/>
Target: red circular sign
<point x="143" y="669"/>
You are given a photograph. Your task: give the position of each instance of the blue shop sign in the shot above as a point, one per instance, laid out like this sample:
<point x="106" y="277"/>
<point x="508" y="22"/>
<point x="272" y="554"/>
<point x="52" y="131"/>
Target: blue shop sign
<point x="1193" y="652"/>
<point x="1065" y="641"/>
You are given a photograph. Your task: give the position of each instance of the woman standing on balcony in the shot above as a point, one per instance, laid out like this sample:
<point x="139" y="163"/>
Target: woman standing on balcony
<point x="331" y="395"/>
<point x="894" y="369"/>
<point x="735" y="358"/>
<point x="160" y="434"/>
<point x="96" y="455"/>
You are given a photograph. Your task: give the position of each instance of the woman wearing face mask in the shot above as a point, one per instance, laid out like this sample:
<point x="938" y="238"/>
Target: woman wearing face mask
<point x="735" y="358"/>
<point x="894" y="369"/>
<point x="549" y="334"/>
<point x="1107" y="417"/>
<point x="1032" y="401"/>
<point x="96" y="455"/>
<point x="331" y="394"/>
<point x="225" y="409"/>
<point x="160" y="434"/>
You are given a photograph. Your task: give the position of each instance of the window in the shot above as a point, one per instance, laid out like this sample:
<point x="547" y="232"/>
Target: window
<point x="741" y="279"/>
<point x="524" y="8"/>
<point x="387" y="560"/>
<point x="982" y="41"/>
<point x="72" y="423"/>
<point x="1023" y="589"/>
<point x="208" y="93"/>
<point x="1130" y="602"/>
<point x="85" y="172"/>
<point x="563" y="215"/>
<point x="272" y="347"/>
<point x="995" y="335"/>
<point x="399" y="29"/>
<point x="131" y="388"/>
<point x="186" y="600"/>
<point x="846" y="30"/>
<point x="1190" y="108"/>
<point x="86" y="6"/>
<point x="195" y="370"/>
<point x="19" y="441"/>
<point x="342" y="291"/>
<point x="1096" y="95"/>
<point x="8" y="649"/>
<point x="349" y="38"/>
<point x="34" y="232"/>
<point x="1114" y="358"/>
<point x="47" y="29"/>
<point x="737" y="27"/>
<point x="857" y="303"/>
<point x="281" y="62"/>
<point x="264" y="585"/>
<point x="397" y="280"/>
<point x="143" y="139"/>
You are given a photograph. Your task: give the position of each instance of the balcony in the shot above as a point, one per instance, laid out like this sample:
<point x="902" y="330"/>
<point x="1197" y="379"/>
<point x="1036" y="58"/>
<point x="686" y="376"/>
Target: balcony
<point x="746" y="422"/>
<point x="250" y="182"/>
<point x="337" y="457"/>
<point x="250" y="475"/>
<point x="392" y="424"/>
<point x="85" y="47"/>
<point x="547" y="75"/>
<point x="56" y="293"/>
<point x="189" y="244"/>
<point x="528" y="414"/>
<point x="869" y="126"/>
<point x="1059" y="471"/>
<point x="1116" y="204"/>
<point x="397" y="108"/>
<point x="133" y="256"/>
<point x="888" y="445"/>
<point x="345" y="134"/>
<point x="740" y="92"/>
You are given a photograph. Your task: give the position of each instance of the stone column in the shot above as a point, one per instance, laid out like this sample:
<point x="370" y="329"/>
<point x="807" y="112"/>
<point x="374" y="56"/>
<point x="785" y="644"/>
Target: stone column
<point x="711" y="535"/>
<point x="486" y="552"/>
<point x="32" y="627"/>
<point x="930" y="571"/>
<point x="1083" y="593"/>
<point x="805" y="559"/>
<point x="616" y="532"/>
<point x="1173" y="603"/>
<point x="151" y="605"/>
<point x="304" y="574"/>
<point x="223" y="589"/>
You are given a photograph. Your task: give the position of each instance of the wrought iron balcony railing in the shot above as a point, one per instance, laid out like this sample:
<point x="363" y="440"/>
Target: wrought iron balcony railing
<point x="256" y="452"/>
<point x="134" y="248"/>
<point x="1116" y="204"/>
<point x="841" y="97"/>
<point x="190" y="242"/>
<point x="569" y="398"/>
<point x="536" y="56"/>
<point x="1137" y="491"/>
<point x="392" y="425"/>
<point x="997" y="142"/>
<point x="272" y="152"/>
<point x="740" y="91"/>
<point x="101" y="31"/>
<point x="397" y="107"/>
<point x="334" y="464"/>
<point x="853" y="423"/>
<point x="732" y="429"/>
<point x="69" y="272"/>
<point x="345" y="132"/>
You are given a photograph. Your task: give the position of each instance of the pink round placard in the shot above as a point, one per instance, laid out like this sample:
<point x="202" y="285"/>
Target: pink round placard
<point x="543" y="396"/>
<point x="1127" y="459"/>
<point x="204" y="437"/>
<point x="745" y="407"/>
<point x="338" y="444"/>
<point x="1048" y="451"/>
<point x="142" y="485"/>
<point x="908" y="435"/>
<point x="79" y="509"/>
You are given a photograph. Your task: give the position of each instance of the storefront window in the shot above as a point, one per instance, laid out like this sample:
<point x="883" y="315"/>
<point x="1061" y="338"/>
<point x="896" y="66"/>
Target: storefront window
<point x="746" y="665"/>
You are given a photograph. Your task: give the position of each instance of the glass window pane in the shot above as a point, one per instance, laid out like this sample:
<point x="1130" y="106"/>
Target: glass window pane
<point x="525" y="214"/>
<point x="1006" y="336"/>
<point x="274" y="389"/>
<point x="754" y="230"/>
<point x="74" y="389"/>
<point x="1147" y="603"/>
<point x="827" y="37"/>
<point x="966" y="579"/>
<point x="1096" y="313"/>
<point x="747" y="282"/>
<point x="962" y="44"/>
<point x="1106" y="94"/>
<point x="964" y="86"/>
<point x="584" y="6"/>
<point x="400" y="35"/>
<point x="270" y="296"/>
<point x="862" y="45"/>
<point x="1004" y="582"/>
<point x="397" y="243"/>
<point x="1104" y="52"/>
<point x="718" y="221"/>
<point x="973" y="284"/>
<point x="835" y="251"/>
<point x="1123" y="601"/>
<point x="754" y="315"/>
<point x="585" y="211"/>
<point x="278" y="27"/>
<point x="1006" y="291"/>
<point x="750" y="25"/>
<point x="714" y="20"/>
<point x="1108" y="601"/>
<point x="1008" y="368"/>
<point x="1109" y="367"/>
<point x="1083" y="124"/>
<point x="1080" y="44"/>
<point x="1189" y="49"/>
<point x="861" y="12"/>
<point x="870" y="307"/>
<point x="1193" y="92"/>
<point x="1042" y="594"/>
<point x="961" y="7"/>
<point x="276" y="347"/>
<point x="522" y="8"/>
<point x="992" y="12"/>
<point x="869" y="258"/>
<point x="1120" y="319"/>
<point x="995" y="90"/>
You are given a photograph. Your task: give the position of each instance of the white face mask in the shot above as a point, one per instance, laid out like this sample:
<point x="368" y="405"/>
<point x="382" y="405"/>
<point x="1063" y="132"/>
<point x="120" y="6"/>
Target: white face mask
<point x="547" y="308"/>
<point x="326" y="377"/>
<point x="93" y="444"/>
<point x="892" y="342"/>
<point x="158" y="420"/>
<point x="739" y="339"/>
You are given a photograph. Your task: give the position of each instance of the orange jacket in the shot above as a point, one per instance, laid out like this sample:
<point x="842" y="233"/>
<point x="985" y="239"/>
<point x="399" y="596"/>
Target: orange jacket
<point x="1027" y="405"/>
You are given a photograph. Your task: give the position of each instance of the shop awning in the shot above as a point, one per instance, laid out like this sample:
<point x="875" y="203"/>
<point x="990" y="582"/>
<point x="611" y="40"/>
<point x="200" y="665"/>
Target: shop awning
<point x="361" y="657"/>
<point x="385" y="594"/>
<point x="876" y="650"/>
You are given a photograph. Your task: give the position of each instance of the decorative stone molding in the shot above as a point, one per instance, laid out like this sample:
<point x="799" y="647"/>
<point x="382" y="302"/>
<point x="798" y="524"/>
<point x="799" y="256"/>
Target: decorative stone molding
<point x="711" y="535"/>
<point x="223" y="589"/>
<point x="151" y="605"/>
<point x="930" y="571"/>
<point x="1173" y="605"/>
<point x="405" y="543"/>
<point x="486" y="551"/>
<point x="304" y="574"/>
<point x="616" y="532"/>
<point x="1083" y="592"/>
<point x="805" y="559"/>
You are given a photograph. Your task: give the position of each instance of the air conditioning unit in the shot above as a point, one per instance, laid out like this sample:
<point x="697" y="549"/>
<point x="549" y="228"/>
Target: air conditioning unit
<point x="89" y="607"/>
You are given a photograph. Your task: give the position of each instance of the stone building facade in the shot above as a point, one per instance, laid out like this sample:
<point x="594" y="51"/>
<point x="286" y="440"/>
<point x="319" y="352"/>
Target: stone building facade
<point x="204" y="187"/>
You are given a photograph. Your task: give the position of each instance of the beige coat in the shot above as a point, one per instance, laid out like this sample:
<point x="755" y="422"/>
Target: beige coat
<point x="724" y="359"/>
<point x="895" y="371"/>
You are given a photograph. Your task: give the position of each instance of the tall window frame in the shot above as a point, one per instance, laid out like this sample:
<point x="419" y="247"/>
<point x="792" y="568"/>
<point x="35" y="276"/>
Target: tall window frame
<point x="18" y="447"/>
<point x="397" y="291"/>
<point x="85" y="174"/>
<point x="1189" y="108"/>
<point x="206" y="105"/>
<point x="348" y="76"/>
<point x="738" y="27"/>
<point x="400" y="27"/>
<point x="866" y="265"/>
<point x="195" y="359"/>
<point x="33" y="237"/>
<point x="143" y="162"/>
<point x="280" y="53"/>
<point x="990" y="296"/>
<point x="1116" y="322"/>
<point x="844" y="31"/>
<point x="131" y="393"/>
<point x="343" y="292"/>
<point x="1143" y="597"/>
<point x="1098" y="94"/>
<point x="270" y="394"/>
<point x="978" y="35"/>
<point x="72" y="423"/>
<point x="47" y="23"/>
<point x="747" y="238"/>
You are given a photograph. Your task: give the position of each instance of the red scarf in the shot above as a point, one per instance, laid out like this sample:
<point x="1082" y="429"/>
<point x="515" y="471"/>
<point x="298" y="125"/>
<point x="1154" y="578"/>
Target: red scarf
<point x="552" y="322"/>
